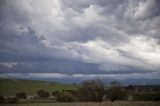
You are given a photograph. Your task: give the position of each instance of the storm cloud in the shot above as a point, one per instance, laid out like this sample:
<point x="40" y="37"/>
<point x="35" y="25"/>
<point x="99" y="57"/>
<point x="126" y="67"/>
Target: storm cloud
<point x="106" y="38"/>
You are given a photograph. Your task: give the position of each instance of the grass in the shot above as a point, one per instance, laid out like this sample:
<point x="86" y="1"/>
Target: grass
<point x="11" y="87"/>
<point x="118" y="103"/>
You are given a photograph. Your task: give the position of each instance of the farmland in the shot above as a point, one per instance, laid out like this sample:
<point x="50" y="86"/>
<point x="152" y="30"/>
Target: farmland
<point x="11" y="87"/>
<point x="74" y="95"/>
<point x="117" y="103"/>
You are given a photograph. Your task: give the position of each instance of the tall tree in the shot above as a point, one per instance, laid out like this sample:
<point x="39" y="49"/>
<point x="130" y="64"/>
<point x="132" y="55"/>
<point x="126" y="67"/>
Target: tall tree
<point x="92" y="90"/>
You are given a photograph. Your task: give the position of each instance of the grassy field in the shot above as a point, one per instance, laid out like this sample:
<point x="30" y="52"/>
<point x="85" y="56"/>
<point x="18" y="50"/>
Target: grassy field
<point x="11" y="87"/>
<point x="120" y="103"/>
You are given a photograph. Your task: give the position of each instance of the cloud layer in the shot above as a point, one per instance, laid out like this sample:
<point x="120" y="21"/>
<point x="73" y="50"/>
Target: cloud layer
<point x="80" y="37"/>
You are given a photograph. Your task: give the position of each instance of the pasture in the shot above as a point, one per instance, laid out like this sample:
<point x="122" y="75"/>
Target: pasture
<point x="11" y="87"/>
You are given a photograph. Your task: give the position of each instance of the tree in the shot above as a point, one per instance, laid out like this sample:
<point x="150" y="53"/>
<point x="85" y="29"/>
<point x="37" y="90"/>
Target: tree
<point x="2" y="99"/>
<point x="43" y="94"/>
<point x="21" y="95"/>
<point x="55" y="93"/>
<point x="92" y="90"/>
<point x="65" y="97"/>
<point x="116" y="92"/>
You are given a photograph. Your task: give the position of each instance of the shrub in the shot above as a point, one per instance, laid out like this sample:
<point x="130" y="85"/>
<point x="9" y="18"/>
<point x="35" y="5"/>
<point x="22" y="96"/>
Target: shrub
<point x="43" y="94"/>
<point x="157" y="96"/>
<point x="73" y="92"/>
<point x="55" y="93"/>
<point x="11" y="100"/>
<point x="1" y="99"/>
<point x="116" y="92"/>
<point x="147" y="96"/>
<point x="65" y="97"/>
<point x="21" y="95"/>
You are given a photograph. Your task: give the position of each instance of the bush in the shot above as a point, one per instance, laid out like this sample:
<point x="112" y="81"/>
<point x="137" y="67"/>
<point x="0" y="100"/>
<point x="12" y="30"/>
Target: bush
<point x="65" y="97"/>
<point x="1" y="99"/>
<point x="116" y="92"/>
<point x="55" y="93"/>
<point x="157" y="96"/>
<point x="21" y="95"/>
<point x="11" y="100"/>
<point x="43" y="94"/>
<point x="92" y="90"/>
<point x="73" y="92"/>
<point x="147" y="96"/>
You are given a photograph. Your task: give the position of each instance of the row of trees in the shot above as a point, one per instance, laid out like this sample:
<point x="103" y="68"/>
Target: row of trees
<point x="93" y="90"/>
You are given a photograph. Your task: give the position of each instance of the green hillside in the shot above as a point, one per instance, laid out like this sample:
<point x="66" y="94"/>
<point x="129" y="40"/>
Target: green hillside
<point x="11" y="87"/>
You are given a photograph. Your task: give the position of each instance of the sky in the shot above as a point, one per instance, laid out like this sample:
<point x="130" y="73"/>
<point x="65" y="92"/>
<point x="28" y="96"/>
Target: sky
<point x="79" y="39"/>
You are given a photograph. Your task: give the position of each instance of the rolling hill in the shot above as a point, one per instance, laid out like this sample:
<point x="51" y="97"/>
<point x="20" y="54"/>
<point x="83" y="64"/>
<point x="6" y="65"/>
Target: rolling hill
<point x="11" y="87"/>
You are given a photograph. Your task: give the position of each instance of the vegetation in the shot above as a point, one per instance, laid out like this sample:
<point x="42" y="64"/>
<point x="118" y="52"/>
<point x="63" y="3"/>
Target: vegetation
<point x="30" y="87"/>
<point x="55" y="93"/>
<point x="116" y="92"/>
<point x="89" y="91"/>
<point x="147" y="96"/>
<point x="11" y="100"/>
<point x="65" y="97"/>
<point x="43" y="94"/>
<point x="1" y="99"/>
<point x="92" y="90"/>
<point x="21" y="95"/>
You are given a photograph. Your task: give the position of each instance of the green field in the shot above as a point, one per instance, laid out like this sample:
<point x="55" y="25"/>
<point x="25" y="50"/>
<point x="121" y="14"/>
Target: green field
<point x="117" y="103"/>
<point x="11" y="87"/>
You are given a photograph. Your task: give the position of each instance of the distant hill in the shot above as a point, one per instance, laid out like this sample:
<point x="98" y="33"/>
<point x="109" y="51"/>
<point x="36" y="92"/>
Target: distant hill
<point x="107" y="81"/>
<point x="11" y="87"/>
<point x="135" y="81"/>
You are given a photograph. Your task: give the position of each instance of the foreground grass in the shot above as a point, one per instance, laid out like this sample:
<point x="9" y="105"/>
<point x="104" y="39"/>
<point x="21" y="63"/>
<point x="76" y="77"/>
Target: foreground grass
<point x="11" y="87"/>
<point x="118" y="103"/>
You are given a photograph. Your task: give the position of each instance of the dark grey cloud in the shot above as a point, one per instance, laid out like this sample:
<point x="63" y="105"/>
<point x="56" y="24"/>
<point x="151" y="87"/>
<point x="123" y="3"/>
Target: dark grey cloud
<point x="84" y="37"/>
<point x="150" y="10"/>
